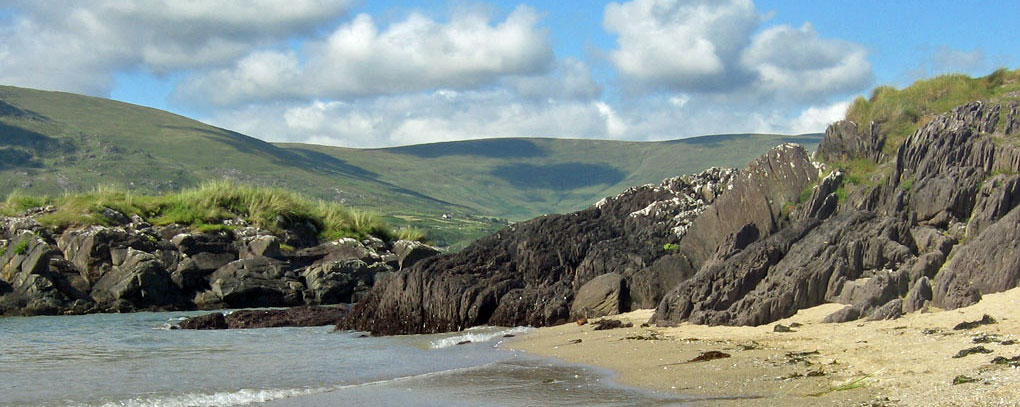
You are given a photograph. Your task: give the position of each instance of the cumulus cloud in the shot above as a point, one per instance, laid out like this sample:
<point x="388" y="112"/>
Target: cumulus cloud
<point x="413" y="55"/>
<point x="79" y="46"/>
<point x="798" y="63"/>
<point x="685" y="45"/>
<point x="716" y="47"/>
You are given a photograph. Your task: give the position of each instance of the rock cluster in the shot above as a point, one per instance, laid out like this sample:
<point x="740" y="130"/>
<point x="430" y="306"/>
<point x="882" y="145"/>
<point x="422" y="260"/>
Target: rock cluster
<point x="135" y="266"/>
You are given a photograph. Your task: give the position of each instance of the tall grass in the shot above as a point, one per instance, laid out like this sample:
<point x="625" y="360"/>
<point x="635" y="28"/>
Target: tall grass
<point x="901" y="112"/>
<point x="206" y="207"/>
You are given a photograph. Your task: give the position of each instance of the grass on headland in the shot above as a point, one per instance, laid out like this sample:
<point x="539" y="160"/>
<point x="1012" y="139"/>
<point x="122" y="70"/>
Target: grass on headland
<point x="901" y="112"/>
<point x="204" y="208"/>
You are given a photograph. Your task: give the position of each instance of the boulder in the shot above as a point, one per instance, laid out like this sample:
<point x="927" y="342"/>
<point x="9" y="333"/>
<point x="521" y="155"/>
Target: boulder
<point x="604" y="295"/>
<point x="261" y="245"/>
<point x="140" y="282"/>
<point x="410" y="252"/>
<point x="256" y="282"/>
<point x="205" y="322"/>
<point x="337" y="282"/>
<point x="846" y="314"/>
<point x="891" y="310"/>
<point x="214" y="243"/>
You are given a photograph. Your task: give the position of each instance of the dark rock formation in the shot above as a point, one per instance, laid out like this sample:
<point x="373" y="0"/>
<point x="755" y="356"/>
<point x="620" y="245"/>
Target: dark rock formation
<point x="248" y="319"/>
<point x="844" y="140"/>
<point x="531" y="273"/>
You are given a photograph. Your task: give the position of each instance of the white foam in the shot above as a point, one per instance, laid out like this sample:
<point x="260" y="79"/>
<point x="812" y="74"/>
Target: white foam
<point x="477" y="334"/>
<point x="233" y="398"/>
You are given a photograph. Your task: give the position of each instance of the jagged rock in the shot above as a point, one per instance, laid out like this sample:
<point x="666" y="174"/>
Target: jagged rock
<point x="926" y="266"/>
<point x="928" y="239"/>
<point x="946" y="196"/>
<point x="891" y="310"/>
<point x="989" y="263"/>
<point x="410" y="252"/>
<point x="527" y="274"/>
<point x="602" y="296"/>
<point x="210" y="261"/>
<point x="997" y="196"/>
<point x="823" y="200"/>
<point x="844" y="141"/>
<point x="800" y="266"/>
<point x="256" y="282"/>
<point x="337" y="282"/>
<point x="39" y="281"/>
<point x="846" y="314"/>
<point x="140" y="282"/>
<point x="919" y="296"/>
<point x="757" y="196"/>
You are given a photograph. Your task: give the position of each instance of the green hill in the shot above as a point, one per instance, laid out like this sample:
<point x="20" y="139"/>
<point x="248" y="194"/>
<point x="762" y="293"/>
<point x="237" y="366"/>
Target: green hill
<point x="53" y="142"/>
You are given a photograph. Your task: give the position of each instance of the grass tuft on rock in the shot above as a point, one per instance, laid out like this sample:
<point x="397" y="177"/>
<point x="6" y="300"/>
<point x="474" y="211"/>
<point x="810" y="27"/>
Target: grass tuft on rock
<point x="205" y="207"/>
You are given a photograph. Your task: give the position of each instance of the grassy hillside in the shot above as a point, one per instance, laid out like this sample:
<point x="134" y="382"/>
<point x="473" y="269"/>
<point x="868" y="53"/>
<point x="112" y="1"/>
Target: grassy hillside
<point x="900" y="112"/>
<point x="521" y="178"/>
<point x="53" y="143"/>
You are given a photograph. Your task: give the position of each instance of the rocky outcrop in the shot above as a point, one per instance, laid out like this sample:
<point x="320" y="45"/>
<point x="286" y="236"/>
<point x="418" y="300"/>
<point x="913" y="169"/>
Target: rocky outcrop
<point x="879" y="250"/>
<point x="846" y="140"/>
<point x="536" y="272"/>
<point x="135" y="266"/>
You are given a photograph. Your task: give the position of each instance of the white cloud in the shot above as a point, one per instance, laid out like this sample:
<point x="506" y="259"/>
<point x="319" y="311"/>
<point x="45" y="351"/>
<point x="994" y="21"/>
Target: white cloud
<point x="816" y="118"/>
<point x="797" y="63"/>
<point x="716" y="47"/>
<point x="79" y="46"/>
<point x="686" y="45"/>
<point x="416" y="54"/>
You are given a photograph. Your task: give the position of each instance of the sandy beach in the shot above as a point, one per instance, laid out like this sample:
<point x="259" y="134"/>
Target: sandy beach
<point x="909" y="361"/>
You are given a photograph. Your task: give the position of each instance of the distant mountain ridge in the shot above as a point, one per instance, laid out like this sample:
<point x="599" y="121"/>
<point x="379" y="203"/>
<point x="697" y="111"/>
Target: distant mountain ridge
<point x="54" y="142"/>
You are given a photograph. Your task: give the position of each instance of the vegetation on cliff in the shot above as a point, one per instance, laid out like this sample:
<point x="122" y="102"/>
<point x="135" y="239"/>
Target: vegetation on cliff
<point x="206" y="207"/>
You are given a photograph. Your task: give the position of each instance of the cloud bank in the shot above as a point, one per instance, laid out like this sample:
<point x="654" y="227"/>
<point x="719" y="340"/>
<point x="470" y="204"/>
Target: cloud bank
<point x="316" y="71"/>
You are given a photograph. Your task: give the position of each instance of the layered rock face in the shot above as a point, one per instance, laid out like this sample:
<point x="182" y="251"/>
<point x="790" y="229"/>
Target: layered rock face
<point x="952" y="194"/>
<point x="623" y="252"/>
<point x="136" y="266"/>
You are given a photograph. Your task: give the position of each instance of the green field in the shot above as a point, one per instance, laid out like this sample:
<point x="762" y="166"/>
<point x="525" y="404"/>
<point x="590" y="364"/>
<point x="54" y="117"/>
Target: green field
<point x="53" y="143"/>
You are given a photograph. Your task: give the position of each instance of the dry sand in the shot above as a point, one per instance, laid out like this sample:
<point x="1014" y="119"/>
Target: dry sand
<point x="903" y="362"/>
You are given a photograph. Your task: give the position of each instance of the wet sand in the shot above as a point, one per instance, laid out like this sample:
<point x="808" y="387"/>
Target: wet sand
<point x="904" y="362"/>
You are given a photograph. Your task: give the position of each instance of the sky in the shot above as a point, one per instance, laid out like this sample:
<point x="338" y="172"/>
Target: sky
<point x="392" y="72"/>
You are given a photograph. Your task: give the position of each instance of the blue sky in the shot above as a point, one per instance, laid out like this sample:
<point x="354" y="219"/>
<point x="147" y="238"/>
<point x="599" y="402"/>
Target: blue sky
<point x="383" y="73"/>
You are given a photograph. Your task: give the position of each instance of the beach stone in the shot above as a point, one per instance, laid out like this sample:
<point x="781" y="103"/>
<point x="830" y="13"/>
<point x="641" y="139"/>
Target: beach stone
<point x="891" y="310"/>
<point x="846" y="314"/>
<point x="603" y="295"/>
<point x="256" y="282"/>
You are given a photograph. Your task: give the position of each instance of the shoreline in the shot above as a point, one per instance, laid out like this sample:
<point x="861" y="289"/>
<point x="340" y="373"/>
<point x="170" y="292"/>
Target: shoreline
<point x="904" y="362"/>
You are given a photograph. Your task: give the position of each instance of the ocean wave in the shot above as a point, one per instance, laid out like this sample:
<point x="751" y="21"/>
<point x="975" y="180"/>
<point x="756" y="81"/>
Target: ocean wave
<point x="477" y="334"/>
<point x="226" y="398"/>
<point x="249" y="396"/>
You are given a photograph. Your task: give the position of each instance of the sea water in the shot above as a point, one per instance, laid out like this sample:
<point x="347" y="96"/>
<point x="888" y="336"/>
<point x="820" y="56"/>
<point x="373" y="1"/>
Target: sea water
<point x="136" y="360"/>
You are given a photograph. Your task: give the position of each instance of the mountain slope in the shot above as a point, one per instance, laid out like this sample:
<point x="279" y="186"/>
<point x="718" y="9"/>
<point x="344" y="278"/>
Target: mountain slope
<point x="53" y="142"/>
